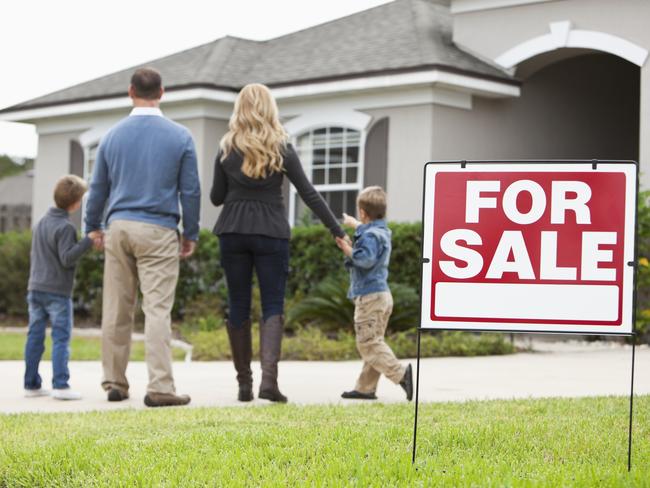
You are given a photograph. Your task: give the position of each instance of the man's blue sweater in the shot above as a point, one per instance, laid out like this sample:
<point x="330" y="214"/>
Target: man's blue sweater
<point x="145" y="166"/>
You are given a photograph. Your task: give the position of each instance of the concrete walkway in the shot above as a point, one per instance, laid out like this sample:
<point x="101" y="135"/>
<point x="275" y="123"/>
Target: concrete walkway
<point x="558" y="370"/>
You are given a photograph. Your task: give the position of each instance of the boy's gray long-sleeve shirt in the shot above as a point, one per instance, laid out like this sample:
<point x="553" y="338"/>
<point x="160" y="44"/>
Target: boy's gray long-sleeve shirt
<point x="55" y="253"/>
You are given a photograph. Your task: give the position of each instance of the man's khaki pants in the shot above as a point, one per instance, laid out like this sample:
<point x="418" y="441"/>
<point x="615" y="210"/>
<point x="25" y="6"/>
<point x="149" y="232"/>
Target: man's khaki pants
<point x="371" y="314"/>
<point x="144" y="254"/>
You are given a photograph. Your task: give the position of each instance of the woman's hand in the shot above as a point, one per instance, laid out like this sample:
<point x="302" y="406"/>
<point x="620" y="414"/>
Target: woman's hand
<point x="344" y="245"/>
<point x="350" y="221"/>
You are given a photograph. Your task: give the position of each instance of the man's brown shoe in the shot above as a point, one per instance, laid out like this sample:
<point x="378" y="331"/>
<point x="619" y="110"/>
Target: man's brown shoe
<point x="165" y="400"/>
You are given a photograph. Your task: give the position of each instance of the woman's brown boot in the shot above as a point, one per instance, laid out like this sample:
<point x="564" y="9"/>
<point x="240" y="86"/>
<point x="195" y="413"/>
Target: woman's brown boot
<point x="270" y="349"/>
<point x="242" y="351"/>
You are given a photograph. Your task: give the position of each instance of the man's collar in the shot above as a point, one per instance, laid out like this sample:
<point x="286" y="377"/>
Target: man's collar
<point x="146" y="111"/>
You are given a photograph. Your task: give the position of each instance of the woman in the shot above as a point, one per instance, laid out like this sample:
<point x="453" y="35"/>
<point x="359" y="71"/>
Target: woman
<point x="253" y="231"/>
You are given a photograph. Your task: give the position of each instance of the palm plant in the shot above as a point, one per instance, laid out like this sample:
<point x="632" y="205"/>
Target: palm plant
<point x="329" y="308"/>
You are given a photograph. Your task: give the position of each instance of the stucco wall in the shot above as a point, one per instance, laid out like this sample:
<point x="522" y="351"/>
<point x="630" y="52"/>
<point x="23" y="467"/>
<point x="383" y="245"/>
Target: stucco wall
<point x="581" y="108"/>
<point x="207" y="133"/>
<point x="482" y="32"/>
<point x="52" y="162"/>
<point x="409" y="147"/>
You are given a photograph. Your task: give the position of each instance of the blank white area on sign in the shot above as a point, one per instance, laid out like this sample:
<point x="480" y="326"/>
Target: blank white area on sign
<point x="526" y="301"/>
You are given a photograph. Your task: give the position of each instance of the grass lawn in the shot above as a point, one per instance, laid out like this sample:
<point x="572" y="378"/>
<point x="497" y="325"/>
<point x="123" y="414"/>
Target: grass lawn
<point x="12" y="346"/>
<point x="555" y="443"/>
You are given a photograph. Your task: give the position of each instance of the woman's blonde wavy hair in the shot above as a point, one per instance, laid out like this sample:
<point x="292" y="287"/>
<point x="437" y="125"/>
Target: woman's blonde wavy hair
<point x="256" y="132"/>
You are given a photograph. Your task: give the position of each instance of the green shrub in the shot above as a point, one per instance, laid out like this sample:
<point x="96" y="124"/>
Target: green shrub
<point x="14" y="272"/>
<point x="643" y="268"/>
<point x="314" y="257"/>
<point x="406" y="255"/>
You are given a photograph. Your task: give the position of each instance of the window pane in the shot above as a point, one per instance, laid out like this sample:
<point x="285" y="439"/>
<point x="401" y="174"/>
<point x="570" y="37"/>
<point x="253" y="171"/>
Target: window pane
<point x="319" y="157"/>
<point x="318" y="177"/>
<point x="320" y="138"/>
<point x="335" y="175"/>
<point x="352" y="137"/>
<point x="351" y="174"/>
<point x="336" y="155"/>
<point x="352" y="155"/>
<point x="335" y="200"/>
<point x="337" y="136"/>
<point x="351" y="202"/>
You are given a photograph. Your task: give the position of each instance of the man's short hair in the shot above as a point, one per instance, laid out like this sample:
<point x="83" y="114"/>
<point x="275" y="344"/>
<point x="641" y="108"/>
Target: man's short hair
<point x="146" y="83"/>
<point x="69" y="190"/>
<point x="372" y="200"/>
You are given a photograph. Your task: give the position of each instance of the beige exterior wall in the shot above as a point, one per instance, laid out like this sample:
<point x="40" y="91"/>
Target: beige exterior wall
<point x="409" y="147"/>
<point x="207" y="133"/>
<point x="481" y="32"/>
<point x="52" y="162"/>
<point x="580" y="108"/>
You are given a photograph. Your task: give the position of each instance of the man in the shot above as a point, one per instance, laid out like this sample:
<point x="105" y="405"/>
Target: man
<point x="145" y="165"/>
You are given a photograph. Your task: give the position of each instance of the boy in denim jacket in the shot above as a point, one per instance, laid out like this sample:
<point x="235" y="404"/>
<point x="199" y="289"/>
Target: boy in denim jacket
<point x="367" y="260"/>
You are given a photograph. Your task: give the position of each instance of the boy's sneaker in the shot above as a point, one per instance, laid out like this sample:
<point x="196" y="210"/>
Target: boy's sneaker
<point x="357" y="395"/>
<point x="36" y="393"/>
<point x="407" y="383"/>
<point x="65" y="394"/>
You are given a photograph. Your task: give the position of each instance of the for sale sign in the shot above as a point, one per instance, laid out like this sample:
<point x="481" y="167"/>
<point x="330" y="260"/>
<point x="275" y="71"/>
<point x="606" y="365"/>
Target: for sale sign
<point x="529" y="246"/>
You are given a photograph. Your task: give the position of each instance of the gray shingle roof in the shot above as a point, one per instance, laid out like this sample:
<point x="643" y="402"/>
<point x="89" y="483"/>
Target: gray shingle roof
<point x="401" y="35"/>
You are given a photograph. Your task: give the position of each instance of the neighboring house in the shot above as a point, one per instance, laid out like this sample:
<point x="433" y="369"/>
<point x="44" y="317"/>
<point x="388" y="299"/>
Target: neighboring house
<point x="16" y="202"/>
<point x="369" y="98"/>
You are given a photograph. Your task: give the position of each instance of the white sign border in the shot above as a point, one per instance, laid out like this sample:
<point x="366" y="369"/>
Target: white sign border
<point x="628" y="168"/>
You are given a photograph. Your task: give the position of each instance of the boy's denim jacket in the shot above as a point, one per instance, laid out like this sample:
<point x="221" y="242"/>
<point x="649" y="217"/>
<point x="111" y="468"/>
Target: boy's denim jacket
<point x="370" y="257"/>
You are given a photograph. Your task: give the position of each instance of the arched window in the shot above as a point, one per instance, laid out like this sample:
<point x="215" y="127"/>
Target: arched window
<point x="333" y="161"/>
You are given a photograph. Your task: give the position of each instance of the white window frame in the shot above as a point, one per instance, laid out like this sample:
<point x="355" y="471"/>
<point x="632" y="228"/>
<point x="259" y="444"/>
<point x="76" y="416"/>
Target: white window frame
<point x="321" y="118"/>
<point x="328" y="187"/>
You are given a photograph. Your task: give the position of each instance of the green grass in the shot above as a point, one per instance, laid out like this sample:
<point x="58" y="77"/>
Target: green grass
<point x="554" y="443"/>
<point x="12" y="346"/>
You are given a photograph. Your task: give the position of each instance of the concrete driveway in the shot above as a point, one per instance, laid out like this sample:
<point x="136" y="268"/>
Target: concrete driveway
<point x="555" y="370"/>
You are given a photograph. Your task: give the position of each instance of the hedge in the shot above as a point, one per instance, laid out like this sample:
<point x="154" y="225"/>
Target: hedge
<point x="314" y="257"/>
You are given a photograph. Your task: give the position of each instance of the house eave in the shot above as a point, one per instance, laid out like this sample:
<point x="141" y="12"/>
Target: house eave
<point x="434" y="75"/>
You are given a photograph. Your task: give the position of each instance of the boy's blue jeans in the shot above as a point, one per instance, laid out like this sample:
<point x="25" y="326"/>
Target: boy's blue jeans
<point x="58" y="310"/>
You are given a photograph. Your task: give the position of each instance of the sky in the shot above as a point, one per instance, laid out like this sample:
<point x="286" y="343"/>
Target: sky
<point x="48" y="45"/>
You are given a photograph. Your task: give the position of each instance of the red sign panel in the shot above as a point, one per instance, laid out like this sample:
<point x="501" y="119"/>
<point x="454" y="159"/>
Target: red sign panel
<point x="516" y="246"/>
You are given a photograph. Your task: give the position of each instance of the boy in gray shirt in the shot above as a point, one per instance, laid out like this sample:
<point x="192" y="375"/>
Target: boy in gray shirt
<point x="54" y="256"/>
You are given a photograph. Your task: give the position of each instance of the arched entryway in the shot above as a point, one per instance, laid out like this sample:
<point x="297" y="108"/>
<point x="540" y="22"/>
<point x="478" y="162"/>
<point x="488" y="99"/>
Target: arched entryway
<point x="580" y="104"/>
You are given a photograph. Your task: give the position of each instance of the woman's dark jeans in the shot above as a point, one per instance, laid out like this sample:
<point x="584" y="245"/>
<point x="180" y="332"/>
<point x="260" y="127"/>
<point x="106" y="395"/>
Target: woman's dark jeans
<point x="240" y="253"/>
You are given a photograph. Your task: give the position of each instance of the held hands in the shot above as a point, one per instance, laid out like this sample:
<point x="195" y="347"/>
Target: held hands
<point x="187" y="248"/>
<point x="344" y="245"/>
<point x="350" y="221"/>
<point x="97" y="237"/>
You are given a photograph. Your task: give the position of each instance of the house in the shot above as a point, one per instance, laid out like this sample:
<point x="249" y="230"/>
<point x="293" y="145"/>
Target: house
<point x="16" y="202"/>
<point x="368" y="98"/>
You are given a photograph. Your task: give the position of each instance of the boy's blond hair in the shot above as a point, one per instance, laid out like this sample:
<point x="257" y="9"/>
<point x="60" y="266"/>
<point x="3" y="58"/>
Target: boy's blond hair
<point x="372" y="200"/>
<point x="69" y="190"/>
